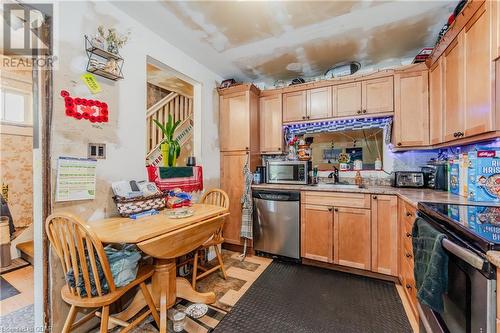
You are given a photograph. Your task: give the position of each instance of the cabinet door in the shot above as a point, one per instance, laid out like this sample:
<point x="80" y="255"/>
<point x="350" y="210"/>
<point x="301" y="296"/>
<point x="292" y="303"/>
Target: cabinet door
<point x="347" y="99"/>
<point x="378" y="95"/>
<point x="271" y="137"/>
<point x="454" y="90"/>
<point x="317" y="233"/>
<point x="234" y="129"/>
<point x="478" y="75"/>
<point x="436" y="102"/>
<point x="319" y="103"/>
<point x="232" y="182"/>
<point x="412" y="109"/>
<point x="294" y="106"/>
<point x="352" y="237"/>
<point x="385" y="234"/>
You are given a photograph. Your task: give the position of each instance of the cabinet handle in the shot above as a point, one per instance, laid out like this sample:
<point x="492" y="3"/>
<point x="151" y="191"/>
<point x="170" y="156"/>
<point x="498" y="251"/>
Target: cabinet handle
<point x="408" y="255"/>
<point x="358" y="112"/>
<point x="308" y="117"/>
<point x="364" y="111"/>
<point x="409" y="214"/>
<point x="408" y="286"/>
<point x="455" y="134"/>
<point x="374" y="197"/>
<point x="399" y="143"/>
<point x="460" y="134"/>
<point x="408" y="235"/>
<point x="279" y="148"/>
<point x="336" y="209"/>
<point x="330" y="209"/>
<point x="303" y="117"/>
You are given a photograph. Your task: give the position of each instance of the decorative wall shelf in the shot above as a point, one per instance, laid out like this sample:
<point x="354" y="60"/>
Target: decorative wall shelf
<point x="103" y="63"/>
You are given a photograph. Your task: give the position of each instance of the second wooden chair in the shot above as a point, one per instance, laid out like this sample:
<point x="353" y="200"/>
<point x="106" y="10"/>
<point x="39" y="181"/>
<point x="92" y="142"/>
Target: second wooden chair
<point x="219" y="198"/>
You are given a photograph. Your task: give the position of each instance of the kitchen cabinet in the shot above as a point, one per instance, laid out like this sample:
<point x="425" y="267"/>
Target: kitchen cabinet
<point x="319" y="103"/>
<point x="232" y="182"/>
<point x="317" y="232"/>
<point x="238" y="123"/>
<point x="411" y="118"/>
<point x="378" y="95"/>
<point x="385" y="234"/>
<point x="295" y="106"/>
<point x="352" y="237"/>
<point x="271" y="136"/>
<point x="347" y="99"/>
<point x="436" y="93"/>
<point x="238" y="119"/>
<point x="454" y="90"/>
<point x="407" y="215"/>
<point x="478" y="79"/>
<point x="308" y="104"/>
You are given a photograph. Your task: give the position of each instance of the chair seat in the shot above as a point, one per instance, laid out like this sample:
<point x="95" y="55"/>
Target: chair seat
<point x="143" y="274"/>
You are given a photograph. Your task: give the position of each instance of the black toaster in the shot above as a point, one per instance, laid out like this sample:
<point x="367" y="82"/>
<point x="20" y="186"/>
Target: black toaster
<point x="408" y="179"/>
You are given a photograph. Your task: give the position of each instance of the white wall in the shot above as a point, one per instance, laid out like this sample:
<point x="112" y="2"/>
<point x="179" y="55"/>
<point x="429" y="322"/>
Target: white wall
<point x="125" y="134"/>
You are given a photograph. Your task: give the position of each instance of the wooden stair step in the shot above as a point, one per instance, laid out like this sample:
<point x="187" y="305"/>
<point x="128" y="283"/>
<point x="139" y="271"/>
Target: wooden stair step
<point x="27" y="250"/>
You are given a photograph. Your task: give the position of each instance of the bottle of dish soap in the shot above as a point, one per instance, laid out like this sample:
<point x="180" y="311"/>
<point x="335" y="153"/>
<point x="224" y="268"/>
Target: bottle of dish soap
<point x="358" y="180"/>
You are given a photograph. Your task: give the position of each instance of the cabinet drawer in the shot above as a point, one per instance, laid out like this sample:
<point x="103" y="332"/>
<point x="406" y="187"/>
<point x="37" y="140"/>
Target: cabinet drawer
<point x="334" y="199"/>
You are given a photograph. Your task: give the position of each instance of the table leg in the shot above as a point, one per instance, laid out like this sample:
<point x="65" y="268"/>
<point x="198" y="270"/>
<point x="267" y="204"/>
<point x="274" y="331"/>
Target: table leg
<point x="163" y="288"/>
<point x="184" y="290"/>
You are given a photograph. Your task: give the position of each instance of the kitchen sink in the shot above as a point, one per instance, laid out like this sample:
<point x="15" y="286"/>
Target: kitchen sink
<point x="337" y="186"/>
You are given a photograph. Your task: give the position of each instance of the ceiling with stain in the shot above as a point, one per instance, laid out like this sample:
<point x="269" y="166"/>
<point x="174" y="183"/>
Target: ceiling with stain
<point x="264" y="41"/>
<point x="168" y="80"/>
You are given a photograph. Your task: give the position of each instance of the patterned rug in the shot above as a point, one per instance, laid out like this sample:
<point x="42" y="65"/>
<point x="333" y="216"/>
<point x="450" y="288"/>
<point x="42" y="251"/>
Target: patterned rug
<point x="240" y="276"/>
<point x="6" y="289"/>
<point x="18" y="321"/>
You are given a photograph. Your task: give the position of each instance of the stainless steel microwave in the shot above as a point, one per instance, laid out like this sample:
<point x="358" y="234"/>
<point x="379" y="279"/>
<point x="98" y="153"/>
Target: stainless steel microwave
<point x="287" y="172"/>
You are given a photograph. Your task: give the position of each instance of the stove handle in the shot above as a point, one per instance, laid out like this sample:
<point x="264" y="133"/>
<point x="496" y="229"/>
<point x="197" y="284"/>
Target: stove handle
<point x="468" y="256"/>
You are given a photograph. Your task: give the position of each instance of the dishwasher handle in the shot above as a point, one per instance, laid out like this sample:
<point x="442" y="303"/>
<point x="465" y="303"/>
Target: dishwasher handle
<point x="276" y="195"/>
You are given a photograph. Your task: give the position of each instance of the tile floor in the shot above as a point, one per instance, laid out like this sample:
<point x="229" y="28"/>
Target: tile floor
<point x="22" y="279"/>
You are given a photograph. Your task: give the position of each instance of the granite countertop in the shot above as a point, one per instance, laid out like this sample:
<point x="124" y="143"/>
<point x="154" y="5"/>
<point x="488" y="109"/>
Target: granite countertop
<point x="411" y="195"/>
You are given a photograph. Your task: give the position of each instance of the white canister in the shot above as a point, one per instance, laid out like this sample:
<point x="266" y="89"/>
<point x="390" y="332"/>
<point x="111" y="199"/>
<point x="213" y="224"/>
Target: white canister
<point x="358" y="165"/>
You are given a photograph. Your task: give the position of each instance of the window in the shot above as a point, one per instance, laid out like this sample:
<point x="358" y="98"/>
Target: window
<point x="15" y="107"/>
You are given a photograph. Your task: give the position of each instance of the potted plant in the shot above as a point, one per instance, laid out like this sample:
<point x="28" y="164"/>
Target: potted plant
<point x="170" y="148"/>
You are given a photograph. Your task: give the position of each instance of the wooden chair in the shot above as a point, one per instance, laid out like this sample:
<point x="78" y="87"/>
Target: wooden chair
<point x="73" y="241"/>
<point x="219" y="198"/>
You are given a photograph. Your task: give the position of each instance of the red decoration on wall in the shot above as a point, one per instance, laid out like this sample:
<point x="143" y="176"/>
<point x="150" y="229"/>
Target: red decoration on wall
<point x="93" y="110"/>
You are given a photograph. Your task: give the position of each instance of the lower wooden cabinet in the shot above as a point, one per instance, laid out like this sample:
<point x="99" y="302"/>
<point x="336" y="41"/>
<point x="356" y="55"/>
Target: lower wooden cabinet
<point x="232" y="182"/>
<point x="317" y="232"/>
<point x="351" y="230"/>
<point x="385" y="234"/>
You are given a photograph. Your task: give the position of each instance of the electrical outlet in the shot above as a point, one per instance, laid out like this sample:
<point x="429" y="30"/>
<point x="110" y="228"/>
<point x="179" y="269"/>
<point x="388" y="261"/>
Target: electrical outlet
<point x="97" y="150"/>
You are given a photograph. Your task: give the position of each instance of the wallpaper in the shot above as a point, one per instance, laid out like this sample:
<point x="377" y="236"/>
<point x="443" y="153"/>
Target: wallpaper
<point x="16" y="171"/>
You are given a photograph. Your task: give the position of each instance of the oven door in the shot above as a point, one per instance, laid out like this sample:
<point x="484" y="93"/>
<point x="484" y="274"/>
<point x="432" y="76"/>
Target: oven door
<point x="287" y="172"/>
<point x="469" y="304"/>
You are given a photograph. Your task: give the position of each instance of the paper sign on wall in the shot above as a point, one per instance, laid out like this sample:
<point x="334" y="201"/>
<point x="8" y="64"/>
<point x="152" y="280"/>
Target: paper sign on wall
<point x="76" y="179"/>
<point x="91" y="83"/>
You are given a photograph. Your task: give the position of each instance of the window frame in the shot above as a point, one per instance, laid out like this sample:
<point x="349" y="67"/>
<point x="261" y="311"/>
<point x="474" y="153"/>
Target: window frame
<point x="28" y="118"/>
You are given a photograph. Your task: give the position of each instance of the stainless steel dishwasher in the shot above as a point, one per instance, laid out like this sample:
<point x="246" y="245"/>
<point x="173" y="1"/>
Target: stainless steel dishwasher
<point x="276" y="225"/>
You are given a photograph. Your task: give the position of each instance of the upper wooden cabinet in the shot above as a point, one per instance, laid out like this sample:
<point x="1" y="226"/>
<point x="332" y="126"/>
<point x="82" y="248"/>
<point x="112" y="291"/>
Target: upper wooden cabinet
<point x="319" y="103"/>
<point x="453" y="117"/>
<point x="238" y="119"/>
<point x="378" y="95"/>
<point x="495" y="27"/>
<point x="308" y="104"/>
<point x="436" y="93"/>
<point x="385" y="234"/>
<point x="352" y="237"/>
<point x="347" y="99"/>
<point x="271" y="137"/>
<point x="411" y="118"/>
<point x="479" y="78"/>
<point x="295" y="106"/>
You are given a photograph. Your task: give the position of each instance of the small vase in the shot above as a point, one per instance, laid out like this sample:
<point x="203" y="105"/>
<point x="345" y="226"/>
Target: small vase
<point x="164" y="153"/>
<point x="112" y="48"/>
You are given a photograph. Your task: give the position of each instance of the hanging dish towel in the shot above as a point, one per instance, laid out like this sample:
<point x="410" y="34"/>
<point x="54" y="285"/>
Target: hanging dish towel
<point x="246" y="201"/>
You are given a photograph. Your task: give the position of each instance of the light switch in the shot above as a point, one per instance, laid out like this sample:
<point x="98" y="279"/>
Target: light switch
<point x="97" y="150"/>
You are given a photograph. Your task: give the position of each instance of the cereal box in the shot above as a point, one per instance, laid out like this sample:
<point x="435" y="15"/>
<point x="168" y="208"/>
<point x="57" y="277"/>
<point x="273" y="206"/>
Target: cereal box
<point x="463" y="174"/>
<point x="484" y="175"/>
<point x="454" y="177"/>
<point x="485" y="221"/>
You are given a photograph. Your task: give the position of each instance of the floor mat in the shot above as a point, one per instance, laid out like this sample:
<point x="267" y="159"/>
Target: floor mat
<point x="6" y="289"/>
<point x="18" y="321"/>
<point x="298" y="298"/>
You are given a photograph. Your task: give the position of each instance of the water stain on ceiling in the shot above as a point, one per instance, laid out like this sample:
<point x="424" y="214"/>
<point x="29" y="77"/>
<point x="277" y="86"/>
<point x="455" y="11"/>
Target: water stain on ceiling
<point x="271" y="40"/>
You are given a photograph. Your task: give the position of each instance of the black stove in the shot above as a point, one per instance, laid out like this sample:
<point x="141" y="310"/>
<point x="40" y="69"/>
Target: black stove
<point x="478" y="226"/>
